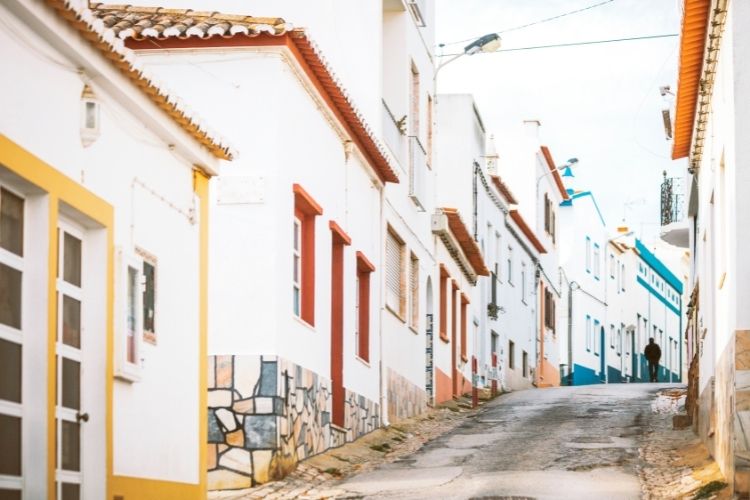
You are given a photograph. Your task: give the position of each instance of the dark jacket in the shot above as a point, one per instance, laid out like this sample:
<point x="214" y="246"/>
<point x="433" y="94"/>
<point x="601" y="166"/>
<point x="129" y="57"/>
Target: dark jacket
<point x="652" y="353"/>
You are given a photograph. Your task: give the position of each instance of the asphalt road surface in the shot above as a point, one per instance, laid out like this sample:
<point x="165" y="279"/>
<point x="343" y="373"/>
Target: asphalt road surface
<point x="568" y="442"/>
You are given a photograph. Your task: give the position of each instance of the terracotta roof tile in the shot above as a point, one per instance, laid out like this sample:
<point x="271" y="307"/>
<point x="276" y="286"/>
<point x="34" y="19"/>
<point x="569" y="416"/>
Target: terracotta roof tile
<point x="139" y="26"/>
<point x="128" y="21"/>
<point x="468" y="245"/>
<point x="105" y="40"/>
<point x="527" y="231"/>
<point x="555" y="172"/>
<point x="504" y="189"/>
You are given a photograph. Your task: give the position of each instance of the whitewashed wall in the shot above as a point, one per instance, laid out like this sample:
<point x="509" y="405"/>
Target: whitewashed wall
<point x="41" y="112"/>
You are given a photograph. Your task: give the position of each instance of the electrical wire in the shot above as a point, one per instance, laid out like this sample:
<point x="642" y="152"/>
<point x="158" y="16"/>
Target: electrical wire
<point x="534" y="23"/>
<point x="577" y="44"/>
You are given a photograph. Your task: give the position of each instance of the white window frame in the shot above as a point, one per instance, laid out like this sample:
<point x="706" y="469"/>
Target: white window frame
<point x="11" y="334"/>
<point x="589" y="347"/>
<point x="124" y="369"/>
<point x="588" y="254"/>
<point x="75" y="354"/>
<point x="597" y="261"/>
<point x="498" y="257"/>
<point x="523" y="282"/>
<point x="510" y="264"/>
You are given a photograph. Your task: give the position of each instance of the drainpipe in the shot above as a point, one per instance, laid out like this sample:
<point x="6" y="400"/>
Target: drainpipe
<point x="383" y="393"/>
<point x="570" y="331"/>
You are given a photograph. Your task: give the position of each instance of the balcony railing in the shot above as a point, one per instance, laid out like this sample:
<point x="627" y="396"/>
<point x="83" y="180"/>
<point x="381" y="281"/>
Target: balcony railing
<point x="671" y="200"/>
<point x="392" y="133"/>
<point x="674" y="226"/>
<point x="417" y="172"/>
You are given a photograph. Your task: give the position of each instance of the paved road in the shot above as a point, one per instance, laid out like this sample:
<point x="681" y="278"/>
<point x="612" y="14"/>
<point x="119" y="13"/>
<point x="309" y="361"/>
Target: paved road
<point x="568" y="442"/>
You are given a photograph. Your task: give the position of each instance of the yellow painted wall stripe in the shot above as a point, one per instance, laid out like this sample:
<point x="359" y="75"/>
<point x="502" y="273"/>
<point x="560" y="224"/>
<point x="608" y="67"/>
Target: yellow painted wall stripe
<point x="200" y="182"/>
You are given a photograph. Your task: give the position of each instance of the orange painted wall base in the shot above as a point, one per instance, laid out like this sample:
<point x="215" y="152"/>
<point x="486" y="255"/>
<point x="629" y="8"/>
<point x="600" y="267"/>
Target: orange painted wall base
<point x="443" y="386"/>
<point x="549" y="375"/>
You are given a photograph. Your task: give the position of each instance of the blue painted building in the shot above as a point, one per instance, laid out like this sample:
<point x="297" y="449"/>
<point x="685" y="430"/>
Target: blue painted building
<point x="616" y="295"/>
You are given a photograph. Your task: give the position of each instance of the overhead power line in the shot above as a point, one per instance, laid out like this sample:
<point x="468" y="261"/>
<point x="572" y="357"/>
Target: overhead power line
<point x="534" y="23"/>
<point x="577" y="44"/>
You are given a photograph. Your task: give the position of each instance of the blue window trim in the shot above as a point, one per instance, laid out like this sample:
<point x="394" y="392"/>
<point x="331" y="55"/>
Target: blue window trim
<point x="659" y="296"/>
<point x="588" y="322"/>
<point x="658" y="266"/>
<point x="597" y="332"/>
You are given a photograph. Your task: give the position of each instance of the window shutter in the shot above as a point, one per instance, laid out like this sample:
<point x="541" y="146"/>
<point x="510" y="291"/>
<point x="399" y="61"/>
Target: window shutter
<point x="414" y="291"/>
<point x="393" y="273"/>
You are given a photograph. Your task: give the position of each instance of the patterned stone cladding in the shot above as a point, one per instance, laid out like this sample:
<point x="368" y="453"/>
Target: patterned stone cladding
<point x="405" y="399"/>
<point x="266" y="413"/>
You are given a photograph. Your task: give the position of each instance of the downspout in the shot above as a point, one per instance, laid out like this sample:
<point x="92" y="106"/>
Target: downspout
<point x="383" y="394"/>
<point x="474" y="200"/>
<point x="570" y="333"/>
<point x="540" y="332"/>
<point x="570" y="324"/>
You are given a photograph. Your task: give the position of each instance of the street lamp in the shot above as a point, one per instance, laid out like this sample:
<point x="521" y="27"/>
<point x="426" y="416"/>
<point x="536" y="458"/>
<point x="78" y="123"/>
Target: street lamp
<point x="566" y="168"/>
<point x="487" y="43"/>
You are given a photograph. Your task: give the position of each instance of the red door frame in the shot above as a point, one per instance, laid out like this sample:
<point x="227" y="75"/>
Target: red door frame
<point x="338" y="240"/>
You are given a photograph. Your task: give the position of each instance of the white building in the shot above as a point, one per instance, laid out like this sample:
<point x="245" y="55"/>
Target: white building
<point x="102" y="319"/>
<point x="323" y="258"/>
<point x="537" y="185"/>
<point x="618" y="294"/>
<point x="710" y="123"/>
<point x="582" y="259"/>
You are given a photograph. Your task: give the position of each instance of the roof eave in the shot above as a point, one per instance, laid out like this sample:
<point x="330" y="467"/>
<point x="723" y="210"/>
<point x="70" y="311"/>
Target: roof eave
<point x="692" y="47"/>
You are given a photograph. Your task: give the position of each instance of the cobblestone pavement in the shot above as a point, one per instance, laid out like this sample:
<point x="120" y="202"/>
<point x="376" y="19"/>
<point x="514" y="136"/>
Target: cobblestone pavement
<point x="674" y="463"/>
<point x="593" y="442"/>
<point x="318" y="477"/>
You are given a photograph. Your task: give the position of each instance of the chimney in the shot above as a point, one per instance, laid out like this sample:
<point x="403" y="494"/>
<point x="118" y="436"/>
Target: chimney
<point x="531" y="128"/>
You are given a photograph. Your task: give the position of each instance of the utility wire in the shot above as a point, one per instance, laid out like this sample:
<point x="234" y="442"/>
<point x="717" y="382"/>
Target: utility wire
<point x="576" y="44"/>
<point x="534" y="23"/>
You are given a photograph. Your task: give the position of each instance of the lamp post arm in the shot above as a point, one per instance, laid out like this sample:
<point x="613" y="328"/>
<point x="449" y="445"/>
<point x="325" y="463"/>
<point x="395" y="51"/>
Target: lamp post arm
<point x="445" y="63"/>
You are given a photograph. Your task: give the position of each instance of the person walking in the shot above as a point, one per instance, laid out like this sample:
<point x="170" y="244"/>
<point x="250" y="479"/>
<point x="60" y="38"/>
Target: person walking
<point x="653" y="355"/>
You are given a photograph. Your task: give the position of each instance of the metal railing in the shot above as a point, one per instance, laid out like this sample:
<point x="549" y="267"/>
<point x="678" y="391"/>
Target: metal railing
<point x="417" y="172"/>
<point x="392" y="133"/>
<point x="672" y="200"/>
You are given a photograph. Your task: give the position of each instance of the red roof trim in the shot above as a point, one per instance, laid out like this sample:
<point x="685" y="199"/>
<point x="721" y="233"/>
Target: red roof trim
<point x="309" y="59"/>
<point x="467" y="243"/>
<point x="555" y="172"/>
<point x="526" y="230"/>
<point x="504" y="189"/>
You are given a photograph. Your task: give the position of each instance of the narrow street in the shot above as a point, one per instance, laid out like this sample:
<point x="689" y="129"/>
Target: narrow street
<point x="568" y="442"/>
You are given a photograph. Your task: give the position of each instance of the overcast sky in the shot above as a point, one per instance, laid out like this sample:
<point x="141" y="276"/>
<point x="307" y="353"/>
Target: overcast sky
<point x="599" y="103"/>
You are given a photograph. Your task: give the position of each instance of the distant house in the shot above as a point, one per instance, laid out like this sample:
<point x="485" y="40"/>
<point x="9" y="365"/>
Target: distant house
<point x="321" y="255"/>
<point x="619" y="294"/>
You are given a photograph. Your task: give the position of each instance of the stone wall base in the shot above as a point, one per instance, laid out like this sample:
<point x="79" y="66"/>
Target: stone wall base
<point x="405" y="399"/>
<point x="266" y="413"/>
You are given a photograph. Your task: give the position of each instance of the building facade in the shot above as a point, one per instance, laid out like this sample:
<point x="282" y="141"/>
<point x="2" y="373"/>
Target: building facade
<point x="710" y="118"/>
<point x="103" y="324"/>
<point x="323" y="351"/>
<point x="619" y="294"/>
